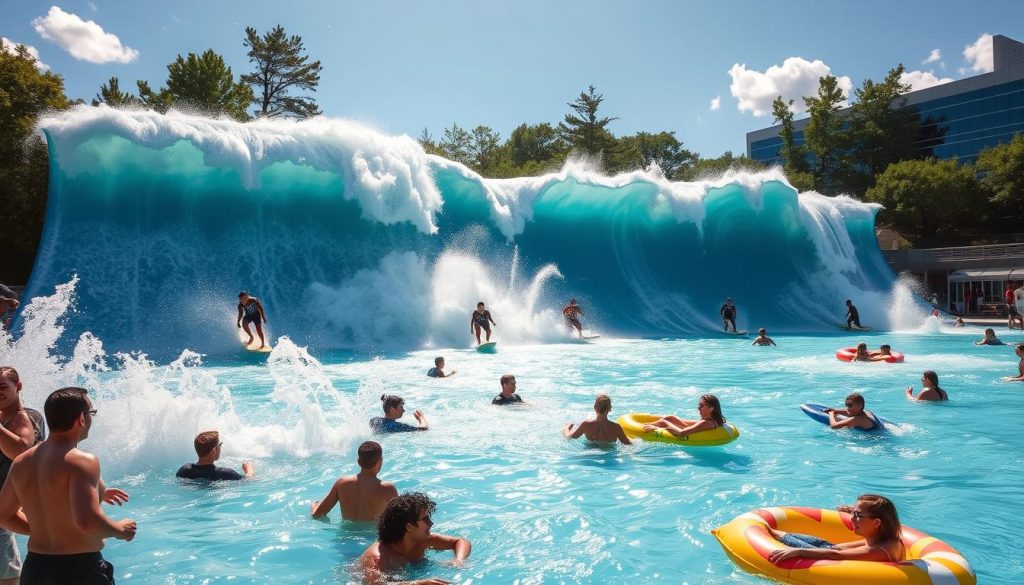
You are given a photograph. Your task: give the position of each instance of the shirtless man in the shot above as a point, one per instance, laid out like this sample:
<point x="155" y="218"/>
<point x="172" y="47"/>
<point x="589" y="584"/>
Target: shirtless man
<point x="762" y="338"/>
<point x="252" y="309"/>
<point x="59" y="489"/>
<point x="572" y="313"/>
<point x="599" y="429"/>
<point x="930" y="390"/>
<point x="362" y="496"/>
<point x="403" y="536"/>
<point x="856" y="416"/>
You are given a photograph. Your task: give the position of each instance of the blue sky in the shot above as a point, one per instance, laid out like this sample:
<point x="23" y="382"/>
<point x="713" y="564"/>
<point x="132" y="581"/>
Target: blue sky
<point x="403" y="66"/>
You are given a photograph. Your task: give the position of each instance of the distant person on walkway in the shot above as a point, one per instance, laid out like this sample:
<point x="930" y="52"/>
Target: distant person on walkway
<point x="874" y="519"/>
<point x="762" y="338"/>
<point x="53" y="493"/>
<point x="598" y="429"/>
<point x="394" y="408"/>
<point x="572" y="313"/>
<point x="930" y="390"/>
<point x="852" y="316"/>
<point x="1011" y="309"/>
<point x="481" y="320"/>
<point x="856" y="416"/>
<point x="8" y="302"/>
<point x="438" y="370"/>
<point x="977" y="298"/>
<point x="508" y="392"/>
<point x="207" y="445"/>
<point x="403" y="536"/>
<point x="728" y="313"/>
<point x="989" y="339"/>
<point x="1018" y="301"/>
<point x="968" y="300"/>
<point x="710" y="411"/>
<point x="250" y="311"/>
<point x="362" y="496"/>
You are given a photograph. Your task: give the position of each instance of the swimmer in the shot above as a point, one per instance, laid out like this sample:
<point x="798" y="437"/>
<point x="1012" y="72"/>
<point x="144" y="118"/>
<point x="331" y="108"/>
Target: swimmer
<point x="856" y="416"/>
<point x="252" y="309"/>
<point x="207" y="445"/>
<point x="508" y="392"/>
<point x="874" y="519"/>
<point x="1019" y="350"/>
<point x="362" y="496"/>
<point x="394" y="408"/>
<point x="598" y="429"/>
<point x="958" y="322"/>
<point x="989" y="339"/>
<point x="438" y="370"/>
<point x="884" y="352"/>
<point x="572" y="313"/>
<point x="852" y="316"/>
<point x="710" y="411"/>
<point x="481" y="319"/>
<point x="930" y="390"/>
<point x="862" y="354"/>
<point x="53" y="494"/>
<point x="403" y="536"/>
<point x="728" y="313"/>
<point x="762" y="338"/>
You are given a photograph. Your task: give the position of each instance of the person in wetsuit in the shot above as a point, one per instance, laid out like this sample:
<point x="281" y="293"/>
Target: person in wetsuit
<point x="394" y="408"/>
<point x="728" y="312"/>
<point x="250" y="310"/>
<point x="572" y="313"/>
<point x="438" y="370"/>
<point x="207" y="445"/>
<point x="852" y="316"/>
<point x="481" y="319"/>
<point x="508" y="392"/>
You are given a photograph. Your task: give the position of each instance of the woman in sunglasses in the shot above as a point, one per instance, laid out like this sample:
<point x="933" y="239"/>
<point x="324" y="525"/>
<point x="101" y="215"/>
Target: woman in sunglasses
<point x="710" y="410"/>
<point x="874" y="519"/>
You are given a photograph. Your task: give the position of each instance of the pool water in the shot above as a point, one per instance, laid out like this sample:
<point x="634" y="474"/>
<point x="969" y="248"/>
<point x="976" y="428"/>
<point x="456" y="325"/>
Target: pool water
<point x="538" y="508"/>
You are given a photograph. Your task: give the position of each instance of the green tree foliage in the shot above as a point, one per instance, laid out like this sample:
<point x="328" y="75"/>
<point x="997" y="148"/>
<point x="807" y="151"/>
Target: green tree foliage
<point x="281" y="67"/>
<point x="824" y="137"/>
<point x="926" y="198"/>
<point x="111" y="94"/>
<point x="457" y="145"/>
<point x="584" y="130"/>
<point x="538" y="143"/>
<point x="710" y="168"/>
<point x="643" y="149"/>
<point x="203" y="82"/>
<point x="25" y="93"/>
<point x="484" y="149"/>
<point x="1002" y="170"/>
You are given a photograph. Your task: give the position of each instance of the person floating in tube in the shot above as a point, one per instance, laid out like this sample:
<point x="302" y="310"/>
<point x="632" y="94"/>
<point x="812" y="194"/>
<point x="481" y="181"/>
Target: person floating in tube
<point x="250" y="310"/>
<point x="728" y="312"/>
<point x="572" y="313"/>
<point x="481" y="319"/>
<point x="852" y="316"/>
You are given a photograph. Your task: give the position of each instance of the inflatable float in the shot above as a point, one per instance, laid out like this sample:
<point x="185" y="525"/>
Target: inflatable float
<point x="633" y="424"/>
<point x="847" y="354"/>
<point x="747" y="541"/>
<point x="817" y="412"/>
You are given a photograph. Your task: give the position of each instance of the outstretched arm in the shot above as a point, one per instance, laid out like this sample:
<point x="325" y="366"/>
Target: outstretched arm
<point x="461" y="546"/>
<point x="83" y="486"/>
<point x="622" y="436"/>
<point x="323" y="508"/>
<point x="569" y="433"/>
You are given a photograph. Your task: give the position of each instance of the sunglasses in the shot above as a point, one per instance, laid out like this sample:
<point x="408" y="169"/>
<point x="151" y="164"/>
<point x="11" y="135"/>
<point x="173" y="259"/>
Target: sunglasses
<point x="857" y="515"/>
<point x="91" y="412"/>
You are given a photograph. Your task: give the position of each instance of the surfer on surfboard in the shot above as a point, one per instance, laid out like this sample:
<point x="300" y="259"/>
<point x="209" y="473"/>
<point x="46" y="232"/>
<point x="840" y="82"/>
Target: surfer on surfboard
<point x="481" y="319"/>
<point x="728" y="313"/>
<point x="572" y="313"/>
<point x="250" y="310"/>
<point x="852" y="317"/>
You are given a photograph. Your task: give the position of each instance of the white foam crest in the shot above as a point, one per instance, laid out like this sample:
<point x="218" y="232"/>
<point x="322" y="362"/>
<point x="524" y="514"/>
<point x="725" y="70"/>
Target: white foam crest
<point x="388" y="175"/>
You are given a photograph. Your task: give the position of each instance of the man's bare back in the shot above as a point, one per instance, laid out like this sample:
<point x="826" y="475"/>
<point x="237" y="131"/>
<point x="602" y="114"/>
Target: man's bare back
<point x="362" y="497"/>
<point x="602" y="431"/>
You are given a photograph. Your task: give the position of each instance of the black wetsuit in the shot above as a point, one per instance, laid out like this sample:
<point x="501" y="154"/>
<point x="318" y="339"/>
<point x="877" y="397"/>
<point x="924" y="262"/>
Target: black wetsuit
<point x="209" y="471"/>
<point x="500" y="400"/>
<point x="852" y="318"/>
<point x="729" y="314"/>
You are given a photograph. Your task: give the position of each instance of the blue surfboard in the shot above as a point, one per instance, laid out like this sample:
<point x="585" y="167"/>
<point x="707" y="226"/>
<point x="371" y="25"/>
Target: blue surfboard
<point x="817" y="412"/>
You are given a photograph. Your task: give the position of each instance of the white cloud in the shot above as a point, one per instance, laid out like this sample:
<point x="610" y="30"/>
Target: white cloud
<point x="793" y="80"/>
<point x="934" y="56"/>
<point x="922" y="79"/>
<point x="716" y="103"/>
<point x="9" y="46"/>
<point x="84" y="39"/>
<point x="979" y="55"/>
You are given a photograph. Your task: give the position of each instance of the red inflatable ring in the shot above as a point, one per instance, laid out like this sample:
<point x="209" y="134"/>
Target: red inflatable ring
<point x="847" y="354"/>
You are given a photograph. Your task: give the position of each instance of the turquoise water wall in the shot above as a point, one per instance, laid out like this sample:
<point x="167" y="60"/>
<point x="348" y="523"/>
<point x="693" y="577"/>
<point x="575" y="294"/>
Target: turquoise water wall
<point x="359" y="240"/>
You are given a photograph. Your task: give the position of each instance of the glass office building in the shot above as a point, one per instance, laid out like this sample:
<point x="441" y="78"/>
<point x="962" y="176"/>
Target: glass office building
<point x="967" y="115"/>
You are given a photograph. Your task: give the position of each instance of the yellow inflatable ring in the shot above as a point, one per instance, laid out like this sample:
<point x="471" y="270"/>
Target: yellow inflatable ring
<point x="633" y="423"/>
<point x="748" y="543"/>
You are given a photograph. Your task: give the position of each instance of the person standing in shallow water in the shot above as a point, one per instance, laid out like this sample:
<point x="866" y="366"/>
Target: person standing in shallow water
<point x="598" y="429"/>
<point x="481" y="320"/>
<point x="207" y="445"/>
<point x="53" y="494"/>
<point x="362" y="496"/>
<point x="250" y="311"/>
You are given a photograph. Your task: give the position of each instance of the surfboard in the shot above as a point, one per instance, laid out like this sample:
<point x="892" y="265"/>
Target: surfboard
<point x="589" y="337"/>
<point x="817" y="413"/>
<point x="852" y="328"/>
<point x="255" y="345"/>
<point x="489" y="347"/>
<point x="1010" y="379"/>
<point x="740" y="333"/>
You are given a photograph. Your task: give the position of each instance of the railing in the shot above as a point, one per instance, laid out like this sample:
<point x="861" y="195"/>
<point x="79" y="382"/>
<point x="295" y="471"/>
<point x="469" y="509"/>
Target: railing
<point x="963" y="253"/>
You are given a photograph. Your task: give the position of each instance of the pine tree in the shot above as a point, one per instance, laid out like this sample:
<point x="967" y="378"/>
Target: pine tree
<point x="281" y="67"/>
<point x="584" y="130"/>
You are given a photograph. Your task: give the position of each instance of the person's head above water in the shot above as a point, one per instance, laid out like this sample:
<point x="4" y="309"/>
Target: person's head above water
<point x="990" y="332"/>
<point x="392" y="403"/>
<point x="439" y="361"/>
<point x="862" y="347"/>
<point x="711" y="407"/>
<point x="407" y="513"/>
<point x="762" y="332"/>
<point x="508" y="383"/>
<point x="855" y="402"/>
<point x="875" y="517"/>
<point x="885" y="349"/>
<point x="370" y="454"/>
<point x="206" y="442"/>
<point x="603" y="404"/>
<point x="930" y="378"/>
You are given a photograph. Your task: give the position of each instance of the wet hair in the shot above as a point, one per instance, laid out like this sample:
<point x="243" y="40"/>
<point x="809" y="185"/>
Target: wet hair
<point x="391" y="401"/>
<point x="400" y="511"/>
<point x="603" y="403"/>
<point x="63" y="407"/>
<point x="885" y="346"/>
<point x="862" y="347"/>
<point x="849" y="302"/>
<point x="716" y="407"/>
<point x="856" y="398"/>
<point x="438" y="360"/>
<point x="243" y="294"/>
<point x="206" y="442"/>
<point x="507" y="378"/>
<point x="480" y="303"/>
<point x="762" y="331"/>
<point x="990" y="330"/>
<point x="10" y="373"/>
<point x="1020" y="345"/>
<point x="370" y="453"/>
<point x="932" y="377"/>
<point x="882" y="508"/>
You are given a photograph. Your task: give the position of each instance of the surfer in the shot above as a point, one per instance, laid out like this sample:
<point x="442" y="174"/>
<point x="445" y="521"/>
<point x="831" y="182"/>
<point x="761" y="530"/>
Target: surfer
<point x="762" y="338"/>
<point x="852" y="316"/>
<point x="250" y="310"/>
<point x="728" y="312"/>
<point x="481" y="319"/>
<point x="572" y="313"/>
<point x="854" y="412"/>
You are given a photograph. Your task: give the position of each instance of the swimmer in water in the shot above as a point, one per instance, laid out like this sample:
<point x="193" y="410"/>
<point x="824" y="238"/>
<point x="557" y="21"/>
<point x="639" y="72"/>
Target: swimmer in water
<point x="598" y="429"/>
<point x="762" y="338"/>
